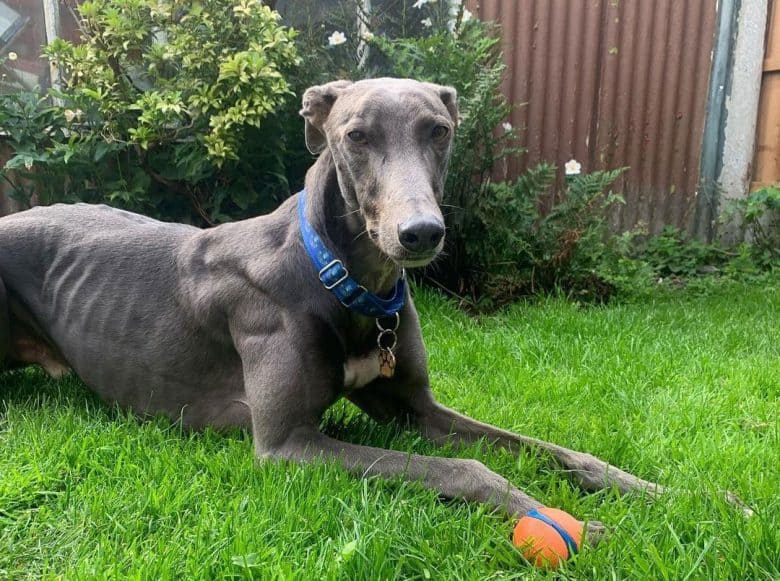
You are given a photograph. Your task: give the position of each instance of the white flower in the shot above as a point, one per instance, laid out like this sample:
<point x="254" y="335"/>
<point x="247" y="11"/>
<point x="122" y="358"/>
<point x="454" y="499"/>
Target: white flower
<point x="426" y="22"/>
<point x="71" y="114"/>
<point x="507" y="126"/>
<point x="573" y="167"/>
<point x="28" y="163"/>
<point x="454" y="10"/>
<point x="12" y="56"/>
<point x="367" y="36"/>
<point x="337" y="38"/>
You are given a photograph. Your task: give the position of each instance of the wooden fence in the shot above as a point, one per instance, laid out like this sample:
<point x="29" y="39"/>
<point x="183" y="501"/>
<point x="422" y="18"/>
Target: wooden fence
<point x="767" y="163"/>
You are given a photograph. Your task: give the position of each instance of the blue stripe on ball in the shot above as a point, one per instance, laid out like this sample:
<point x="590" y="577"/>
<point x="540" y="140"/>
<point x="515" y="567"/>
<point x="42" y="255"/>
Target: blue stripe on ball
<point x="570" y="544"/>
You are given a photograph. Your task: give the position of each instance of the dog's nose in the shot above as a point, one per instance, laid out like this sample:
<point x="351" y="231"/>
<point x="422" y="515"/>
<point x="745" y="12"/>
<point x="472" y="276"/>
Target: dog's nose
<point x="420" y="234"/>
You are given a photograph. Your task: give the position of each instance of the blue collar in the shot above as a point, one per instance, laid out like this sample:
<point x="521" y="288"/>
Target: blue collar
<point x="335" y="277"/>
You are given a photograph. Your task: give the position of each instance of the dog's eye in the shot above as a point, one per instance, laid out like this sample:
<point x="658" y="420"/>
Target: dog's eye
<point x="357" y="136"/>
<point x="440" y="131"/>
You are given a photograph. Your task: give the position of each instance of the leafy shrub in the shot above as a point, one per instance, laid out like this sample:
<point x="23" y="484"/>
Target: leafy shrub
<point x="672" y="258"/>
<point x="516" y="249"/>
<point x="674" y="253"/>
<point x="759" y="214"/>
<point x="31" y="128"/>
<point x="167" y="97"/>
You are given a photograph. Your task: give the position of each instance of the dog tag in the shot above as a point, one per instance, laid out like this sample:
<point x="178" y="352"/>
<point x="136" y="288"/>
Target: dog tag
<point x="386" y="341"/>
<point x="386" y="363"/>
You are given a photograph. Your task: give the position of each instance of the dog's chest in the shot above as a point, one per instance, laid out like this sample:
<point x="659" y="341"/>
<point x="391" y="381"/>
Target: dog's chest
<point x="362" y="370"/>
<point x="365" y="366"/>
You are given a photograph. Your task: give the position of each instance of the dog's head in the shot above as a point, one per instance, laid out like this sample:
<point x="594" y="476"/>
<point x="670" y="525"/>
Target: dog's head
<point x="390" y="140"/>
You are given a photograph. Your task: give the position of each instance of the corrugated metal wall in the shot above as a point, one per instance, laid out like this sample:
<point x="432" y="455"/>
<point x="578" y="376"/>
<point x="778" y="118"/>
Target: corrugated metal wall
<point x="613" y="83"/>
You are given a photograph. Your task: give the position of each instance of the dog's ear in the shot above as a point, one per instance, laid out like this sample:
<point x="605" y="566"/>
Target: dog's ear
<point x="448" y="96"/>
<point x="317" y="103"/>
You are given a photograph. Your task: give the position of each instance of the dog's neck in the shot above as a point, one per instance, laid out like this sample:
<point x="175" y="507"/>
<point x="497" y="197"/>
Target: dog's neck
<point x="343" y="228"/>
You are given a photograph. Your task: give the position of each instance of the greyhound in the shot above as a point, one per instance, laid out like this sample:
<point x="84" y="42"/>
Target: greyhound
<point x="265" y="323"/>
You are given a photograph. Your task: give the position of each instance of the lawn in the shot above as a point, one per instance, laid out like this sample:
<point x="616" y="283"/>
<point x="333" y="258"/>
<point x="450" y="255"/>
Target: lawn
<point x="681" y="387"/>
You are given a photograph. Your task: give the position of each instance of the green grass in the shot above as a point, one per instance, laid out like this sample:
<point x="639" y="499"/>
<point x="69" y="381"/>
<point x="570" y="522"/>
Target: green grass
<point x="682" y="388"/>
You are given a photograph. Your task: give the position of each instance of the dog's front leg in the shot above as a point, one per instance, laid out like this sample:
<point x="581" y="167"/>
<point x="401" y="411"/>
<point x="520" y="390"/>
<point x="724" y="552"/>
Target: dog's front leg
<point x="408" y="403"/>
<point x="409" y="399"/>
<point x="451" y="477"/>
<point x="289" y="384"/>
<point x="439" y="424"/>
<point x="442" y="424"/>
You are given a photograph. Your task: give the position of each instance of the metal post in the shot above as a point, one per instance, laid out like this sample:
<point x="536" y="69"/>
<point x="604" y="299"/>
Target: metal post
<point x="742" y="110"/>
<point x="712" y="146"/>
<point x="51" y="19"/>
<point x="364" y="47"/>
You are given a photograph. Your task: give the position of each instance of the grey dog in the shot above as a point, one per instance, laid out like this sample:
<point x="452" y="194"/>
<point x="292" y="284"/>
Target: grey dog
<point x="232" y="326"/>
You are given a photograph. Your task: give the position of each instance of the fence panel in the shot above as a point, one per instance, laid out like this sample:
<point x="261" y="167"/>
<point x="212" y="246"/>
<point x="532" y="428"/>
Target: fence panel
<point x="612" y="84"/>
<point x="767" y="164"/>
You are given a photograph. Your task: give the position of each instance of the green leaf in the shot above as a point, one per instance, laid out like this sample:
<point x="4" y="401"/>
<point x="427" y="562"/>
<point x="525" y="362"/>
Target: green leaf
<point x="248" y="561"/>
<point x="101" y="149"/>
<point x="348" y="550"/>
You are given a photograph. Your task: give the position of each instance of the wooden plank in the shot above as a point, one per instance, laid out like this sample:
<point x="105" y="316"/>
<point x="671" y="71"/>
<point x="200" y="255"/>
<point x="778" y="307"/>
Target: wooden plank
<point x="772" y="65"/>
<point x="773" y="32"/>
<point x="766" y="167"/>
<point x="767" y="164"/>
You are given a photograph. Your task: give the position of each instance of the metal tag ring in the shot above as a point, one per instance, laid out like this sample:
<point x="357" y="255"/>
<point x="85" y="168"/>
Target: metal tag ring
<point x="394" y="328"/>
<point x="382" y="334"/>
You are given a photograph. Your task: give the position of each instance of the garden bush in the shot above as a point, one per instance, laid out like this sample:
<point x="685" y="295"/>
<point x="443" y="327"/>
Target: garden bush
<point x="759" y="216"/>
<point x="673" y="253"/>
<point x="518" y="250"/>
<point x="177" y="110"/>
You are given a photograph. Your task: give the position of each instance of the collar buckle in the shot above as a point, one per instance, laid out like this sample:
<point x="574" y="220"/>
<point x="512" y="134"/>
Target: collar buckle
<point x="335" y="277"/>
<point x="340" y="276"/>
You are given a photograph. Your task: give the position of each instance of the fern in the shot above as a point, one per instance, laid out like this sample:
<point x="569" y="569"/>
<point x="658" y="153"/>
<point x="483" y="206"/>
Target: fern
<point x="514" y="248"/>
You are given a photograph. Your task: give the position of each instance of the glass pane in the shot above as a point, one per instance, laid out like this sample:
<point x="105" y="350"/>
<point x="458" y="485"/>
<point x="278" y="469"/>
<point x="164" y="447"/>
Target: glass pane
<point x="22" y="36"/>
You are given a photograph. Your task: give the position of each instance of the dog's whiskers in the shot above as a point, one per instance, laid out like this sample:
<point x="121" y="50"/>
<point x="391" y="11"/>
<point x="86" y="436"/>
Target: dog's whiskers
<point x="355" y="239"/>
<point x="349" y="213"/>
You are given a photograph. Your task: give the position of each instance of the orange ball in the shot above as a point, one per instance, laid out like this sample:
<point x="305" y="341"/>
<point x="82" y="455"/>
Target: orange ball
<point x="541" y="542"/>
